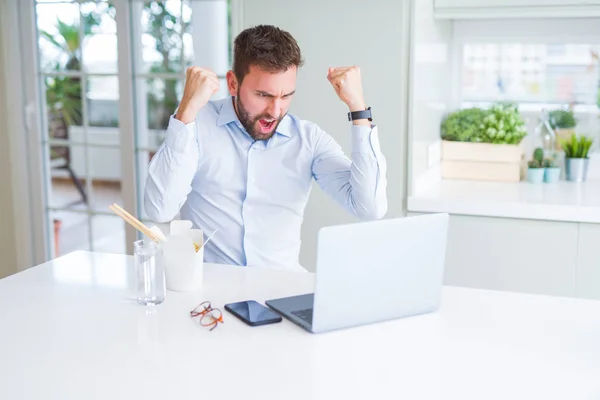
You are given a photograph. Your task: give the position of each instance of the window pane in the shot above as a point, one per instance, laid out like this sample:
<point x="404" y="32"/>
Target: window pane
<point x="103" y="107"/>
<point x="531" y="73"/>
<point x="63" y="104"/>
<point x="64" y="119"/>
<point x="67" y="180"/>
<point x="68" y="174"/>
<point x="162" y="99"/>
<point x="63" y="101"/>
<point x="109" y="234"/>
<point x="71" y="232"/>
<point x="68" y="187"/>
<point x="105" y="169"/>
<point x="100" y="41"/>
<point x="161" y="27"/>
<point x="58" y="29"/>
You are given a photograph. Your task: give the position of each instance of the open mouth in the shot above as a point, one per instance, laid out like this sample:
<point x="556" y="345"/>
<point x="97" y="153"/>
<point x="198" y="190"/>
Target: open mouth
<point x="266" y="125"/>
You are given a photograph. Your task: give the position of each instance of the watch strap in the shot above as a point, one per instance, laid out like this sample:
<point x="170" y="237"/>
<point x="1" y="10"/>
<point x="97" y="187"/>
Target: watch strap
<point x="363" y="114"/>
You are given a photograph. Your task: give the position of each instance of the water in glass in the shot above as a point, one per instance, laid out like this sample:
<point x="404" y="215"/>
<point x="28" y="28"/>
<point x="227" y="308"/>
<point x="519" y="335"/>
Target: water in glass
<point x="150" y="275"/>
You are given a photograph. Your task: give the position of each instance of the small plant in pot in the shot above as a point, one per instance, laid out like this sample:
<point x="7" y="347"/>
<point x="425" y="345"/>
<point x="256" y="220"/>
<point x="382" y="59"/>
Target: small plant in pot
<point x="551" y="170"/>
<point x="563" y="119"/>
<point x="563" y="122"/>
<point x="535" y="170"/>
<point x="576" y="157"/>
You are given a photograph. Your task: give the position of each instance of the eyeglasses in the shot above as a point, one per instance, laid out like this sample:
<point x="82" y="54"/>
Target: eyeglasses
<point x="209" y="316"/>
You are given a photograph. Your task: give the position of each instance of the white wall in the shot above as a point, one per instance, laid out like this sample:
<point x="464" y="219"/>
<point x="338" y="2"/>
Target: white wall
<point x="431" y="78"/>
<point x="346" y="32"/>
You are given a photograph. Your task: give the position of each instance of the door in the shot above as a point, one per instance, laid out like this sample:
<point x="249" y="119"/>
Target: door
<point x="108" y="74"/>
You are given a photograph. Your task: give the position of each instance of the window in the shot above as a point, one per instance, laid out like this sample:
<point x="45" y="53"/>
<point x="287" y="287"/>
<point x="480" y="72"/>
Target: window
<point x="560" y="73"/>
<point x="537" y="63"/>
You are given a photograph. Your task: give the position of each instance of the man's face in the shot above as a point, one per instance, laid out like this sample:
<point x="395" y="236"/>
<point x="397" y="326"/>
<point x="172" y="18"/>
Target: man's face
<point x="263" y="99"/>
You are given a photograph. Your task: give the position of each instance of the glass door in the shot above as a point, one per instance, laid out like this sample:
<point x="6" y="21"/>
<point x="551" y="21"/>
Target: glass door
<point x="110" y="75"/>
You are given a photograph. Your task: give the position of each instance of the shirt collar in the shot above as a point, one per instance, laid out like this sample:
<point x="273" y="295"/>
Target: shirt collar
<point x="227" y="115"/>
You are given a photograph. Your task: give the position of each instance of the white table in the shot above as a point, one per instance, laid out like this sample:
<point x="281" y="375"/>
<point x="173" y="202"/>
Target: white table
<point x="70" y="330"/>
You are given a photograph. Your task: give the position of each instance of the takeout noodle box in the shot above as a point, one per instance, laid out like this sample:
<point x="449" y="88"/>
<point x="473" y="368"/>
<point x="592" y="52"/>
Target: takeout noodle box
<point x="183" y="265"/>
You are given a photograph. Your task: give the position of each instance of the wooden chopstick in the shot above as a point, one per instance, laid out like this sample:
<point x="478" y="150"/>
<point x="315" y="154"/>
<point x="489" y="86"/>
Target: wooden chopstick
<point x="133" y="221"/>
<point x="137" y="224"/>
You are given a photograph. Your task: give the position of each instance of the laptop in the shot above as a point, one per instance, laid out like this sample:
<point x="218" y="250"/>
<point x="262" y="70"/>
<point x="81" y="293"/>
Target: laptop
<point x="369" y="272"/>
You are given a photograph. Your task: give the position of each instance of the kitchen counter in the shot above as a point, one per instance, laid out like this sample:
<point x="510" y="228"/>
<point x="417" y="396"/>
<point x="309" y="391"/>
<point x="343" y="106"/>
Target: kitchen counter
<point x="562" y="201"/>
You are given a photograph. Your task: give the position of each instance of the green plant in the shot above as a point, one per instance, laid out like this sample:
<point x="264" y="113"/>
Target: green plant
<point x="464" y="125"/>
<point x="508" y="104"/>
<point x="503" y="125"/>
<point x="562" y="119"/>
<point x="538" y="158"/>
<point x="538" y="154"/>
<point x="535" y="164"/>
<point x="576" y="147"/>
<point x="549" y="162"/>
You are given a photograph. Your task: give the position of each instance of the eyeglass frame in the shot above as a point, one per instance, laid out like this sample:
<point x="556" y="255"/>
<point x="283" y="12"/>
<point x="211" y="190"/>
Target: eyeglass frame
<point x="208" y="310"/>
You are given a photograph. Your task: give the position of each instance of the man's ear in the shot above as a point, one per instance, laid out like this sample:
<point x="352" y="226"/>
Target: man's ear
<point x="232" y="83"/>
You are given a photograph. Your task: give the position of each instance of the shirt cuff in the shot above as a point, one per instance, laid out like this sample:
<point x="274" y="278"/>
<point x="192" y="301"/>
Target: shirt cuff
<point x="365" y="139"/>
<point x="180" y="137"/>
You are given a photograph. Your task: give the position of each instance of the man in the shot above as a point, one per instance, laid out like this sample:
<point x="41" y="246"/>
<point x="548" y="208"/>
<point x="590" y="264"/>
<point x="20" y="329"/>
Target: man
<point x="245" y="165"/>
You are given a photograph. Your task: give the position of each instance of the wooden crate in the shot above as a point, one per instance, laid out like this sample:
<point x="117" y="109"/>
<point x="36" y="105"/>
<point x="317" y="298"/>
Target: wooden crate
<point x="482" y="161"/>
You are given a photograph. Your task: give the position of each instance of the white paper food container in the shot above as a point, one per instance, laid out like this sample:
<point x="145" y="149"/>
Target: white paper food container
<point x="183" y="266"/>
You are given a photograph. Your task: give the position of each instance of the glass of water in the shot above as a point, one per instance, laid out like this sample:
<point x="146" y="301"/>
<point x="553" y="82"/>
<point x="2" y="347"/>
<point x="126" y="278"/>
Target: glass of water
<point x="150" y="276"/>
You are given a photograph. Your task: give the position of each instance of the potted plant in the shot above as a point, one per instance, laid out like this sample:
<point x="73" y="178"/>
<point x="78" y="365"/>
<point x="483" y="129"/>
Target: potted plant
<point x="576" y="157"/>
<point x="535" y="170"/>
<point x="551" y="169"/>
<point x="563" y="122"/>
<point x="503" y="125"/>
<point x="464" y="125"/>
<point x="480" y="144"/>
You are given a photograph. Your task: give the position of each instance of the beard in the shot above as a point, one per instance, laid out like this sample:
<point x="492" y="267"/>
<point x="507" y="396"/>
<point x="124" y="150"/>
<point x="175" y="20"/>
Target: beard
<point x="252" y="124"/>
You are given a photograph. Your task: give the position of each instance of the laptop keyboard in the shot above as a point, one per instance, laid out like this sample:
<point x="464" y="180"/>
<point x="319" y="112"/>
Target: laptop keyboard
<point x="305" y="315"/>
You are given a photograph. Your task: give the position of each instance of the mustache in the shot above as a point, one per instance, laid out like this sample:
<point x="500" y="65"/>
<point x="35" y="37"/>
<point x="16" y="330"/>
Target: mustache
<point x="267" y="116"/>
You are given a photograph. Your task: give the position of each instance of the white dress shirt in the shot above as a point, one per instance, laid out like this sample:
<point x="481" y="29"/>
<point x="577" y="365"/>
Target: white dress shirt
<point x="255" y="192"/>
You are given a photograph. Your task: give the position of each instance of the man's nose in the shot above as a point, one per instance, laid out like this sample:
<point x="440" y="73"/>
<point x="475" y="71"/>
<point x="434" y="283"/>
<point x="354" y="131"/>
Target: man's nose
<point x="274" y="108"/>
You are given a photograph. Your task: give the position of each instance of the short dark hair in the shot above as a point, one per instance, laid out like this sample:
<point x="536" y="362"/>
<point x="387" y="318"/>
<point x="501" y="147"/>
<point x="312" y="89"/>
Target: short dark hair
<point x="267" y="47"/>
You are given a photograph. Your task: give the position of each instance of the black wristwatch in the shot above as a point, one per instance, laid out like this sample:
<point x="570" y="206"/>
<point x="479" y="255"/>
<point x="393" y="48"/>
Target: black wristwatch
<point x="363" y="114"/>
